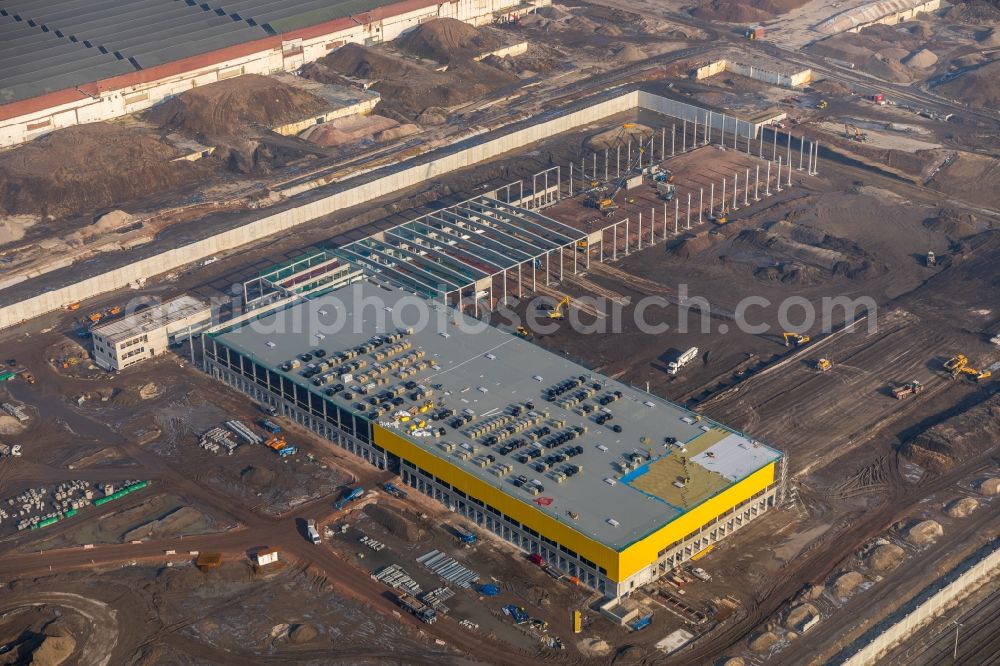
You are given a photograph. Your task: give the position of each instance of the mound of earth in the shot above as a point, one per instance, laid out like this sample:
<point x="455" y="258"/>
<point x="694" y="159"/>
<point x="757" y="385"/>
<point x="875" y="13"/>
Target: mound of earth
<point x="259" y="477"/>
<point x="57" y="646"/>
<point x="691" y="245"/>
<point x="302" y="633"/>
<point x="979" y="87"/>
<point x="989" y="39"/>
<point x="396" y="523"/>
<point x="619" y="136"/>
<point x="748" y="11"/>
<point x="763" y="641"/>
<point x="923" y="59"/>
<point x="551" y="12"/>
<point x="799" y="616"/>
<point x="885" y="557"/>
<point x="956" y="439"/>
<point x="240" y="106"/>
<point x="407" y="88"/>
<point x="10" y="426"/>
<point x="976" y="12"/>
<point x="734" y="661"/>
<point x="355" y="129"/>
<point x="84" y="168"/>
<point x="447" y="39"/>
<point x="831" y="87"/>
<point x="990" y="487"/>
<point x="924" y="532"/>
<point x="629" y="53"/>
<point x="953" y="223"/>
<point x="877" y="50"/>
<point x="961" y="508"/>
<point x="846" y="584"/>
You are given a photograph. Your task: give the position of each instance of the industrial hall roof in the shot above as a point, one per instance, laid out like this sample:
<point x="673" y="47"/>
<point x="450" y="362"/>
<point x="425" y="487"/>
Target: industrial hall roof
<point x="53" y="45"/>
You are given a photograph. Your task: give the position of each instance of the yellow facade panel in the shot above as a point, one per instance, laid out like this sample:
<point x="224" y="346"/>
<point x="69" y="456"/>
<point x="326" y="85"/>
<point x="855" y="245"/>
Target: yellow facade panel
<point x="619" y="566"/>
<point x="642" y="553"/>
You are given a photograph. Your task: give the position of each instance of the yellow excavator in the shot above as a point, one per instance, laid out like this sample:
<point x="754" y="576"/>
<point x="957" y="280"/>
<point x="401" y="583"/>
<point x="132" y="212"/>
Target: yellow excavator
<point x="852" y="132"/>
<point x="522" y="332"/>
<point x="557" y="311"/>
<point x="796" y="339"/>
<point x="723" y="217"/>
<point x="959" y="365"/>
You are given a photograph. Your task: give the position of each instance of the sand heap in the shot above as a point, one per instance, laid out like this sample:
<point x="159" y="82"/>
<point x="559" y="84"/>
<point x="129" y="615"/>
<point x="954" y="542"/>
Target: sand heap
<point x="924" y="532"/>
<point x="57" y="647"/>
<point x="88" y="167"/>
<point x="447" y="39"/>
<point x="959" y="438"/>
<point x="799" y="616"/>
<point x="241" y="106"/>
<point x="878" y="50"/>
<point x="979" y="87"/>
<point x="620" y="136"/>
<point x="408" y="89"/>
<point x="961" y="508"/>
<point x="749" y="11"/>
<point x="923" y="59"/>
<point x="763" y="641"/>
<point x="356" y="129"/>
<point x="989" y="39"/>
<point x="846" y="584"/>
<point x="885" y="557"/>
<point x="990" y="487"/>
<point x="302" y="633"/>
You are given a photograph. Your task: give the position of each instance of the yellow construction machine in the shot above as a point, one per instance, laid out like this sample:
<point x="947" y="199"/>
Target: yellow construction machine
<point x="723" y="217"/>
<point x="522" y="332"/>
<point x="956" y="363"/>
<point x="796" y="339"/>
<point x="824" y="364"/>
<point x="959" y="365"/>
<point x="557" y="311"/>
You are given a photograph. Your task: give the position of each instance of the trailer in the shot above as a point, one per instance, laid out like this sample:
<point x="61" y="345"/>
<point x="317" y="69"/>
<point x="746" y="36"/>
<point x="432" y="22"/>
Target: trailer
<point x="464" y="535"/>
<point x="269" y="426"/>
<point x="417" y="608"/>
<point x="516" y="613"/>
<point x="674" y="366"/>
<point x="394" y="490"/>
<point x="349" y="497"/>
<point x="287" y="451"/>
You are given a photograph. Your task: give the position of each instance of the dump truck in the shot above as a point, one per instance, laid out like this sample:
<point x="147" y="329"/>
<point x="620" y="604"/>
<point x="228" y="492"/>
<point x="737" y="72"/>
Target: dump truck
<point x="349" y="497"/>
<point x="906" y="390"/>
<point x="417" y="608"/>
<point x="270" y="426"/>
<point x="312" y="532"/>
<point x="464" y="535"/>
<point x="674" y="366"/>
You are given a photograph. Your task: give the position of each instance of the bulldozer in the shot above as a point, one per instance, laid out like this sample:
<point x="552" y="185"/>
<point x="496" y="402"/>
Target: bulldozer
<point x="824" y="364"/>
<point x="796" y="339"/>
<point x="523" y="333"/>
<point x="822" y="104"/>
<point x="723" y="217"/>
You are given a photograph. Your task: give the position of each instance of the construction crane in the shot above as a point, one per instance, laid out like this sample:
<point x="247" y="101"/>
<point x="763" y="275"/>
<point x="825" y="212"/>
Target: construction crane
<point x="598" y="197"/>
<point x="824" y="364"/>
<point x="796" y="339"/>
<point x="852" y="132"/>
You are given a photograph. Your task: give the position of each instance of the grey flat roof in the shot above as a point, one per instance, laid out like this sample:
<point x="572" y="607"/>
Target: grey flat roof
<point x="485" y="369"/>
<point x="153" y="317"/>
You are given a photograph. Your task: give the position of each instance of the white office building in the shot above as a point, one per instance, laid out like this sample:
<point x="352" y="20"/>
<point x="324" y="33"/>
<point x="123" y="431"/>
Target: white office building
<point x="147" y="333"/>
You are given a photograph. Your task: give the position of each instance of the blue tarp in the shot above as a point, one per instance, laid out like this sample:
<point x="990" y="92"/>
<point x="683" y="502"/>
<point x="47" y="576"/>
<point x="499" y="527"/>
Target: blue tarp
<point x="490" y="590"/>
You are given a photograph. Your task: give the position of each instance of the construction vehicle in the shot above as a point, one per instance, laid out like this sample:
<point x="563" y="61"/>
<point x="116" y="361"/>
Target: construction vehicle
<point x="270" y="426"/>
<point x="557" y="311"/>
<point x="417" y="608"/>
<point x="394" y="490"/>
<point x="931" y="259"/>
<point x="312" y="532"/>
<point x="73" y="307"/>
<point x="7" y="376"/>
<point x="348" y="498"/>
<point x="114" y="310"/>
<point x="824" y="364"/>
<point x="974" y="373"/>
<point x="523" y="333"/>
<point x="287" y="450"/>
<point x="277" y="442"/>
<point x="906" y="390"/>
<point x="95" y="317"/>
<point x="722" y="218"/>
<point x="796" y="339"/>
<point x="877" y="98"/>
<point x="661" y="175"/>
<point x="598" y="196"/>
<point x="956" y="363"/>
<point x="582" y="245"/>
<point x="666" y="191"/>
<point x="852" y="132"/>
<point x="27" y="376"/>
<point x="464" y="535"/>
<point x="674" y="366"/>
<point x="822" y="104"/>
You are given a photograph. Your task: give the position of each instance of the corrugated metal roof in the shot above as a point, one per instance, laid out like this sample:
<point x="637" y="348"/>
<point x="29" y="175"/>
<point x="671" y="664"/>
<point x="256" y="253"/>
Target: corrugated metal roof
<point x="47" y="46"/>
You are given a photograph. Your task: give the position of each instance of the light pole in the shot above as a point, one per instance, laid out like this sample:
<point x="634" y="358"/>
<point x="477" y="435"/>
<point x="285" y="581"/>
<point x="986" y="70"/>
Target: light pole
<point x="955" y="650"/>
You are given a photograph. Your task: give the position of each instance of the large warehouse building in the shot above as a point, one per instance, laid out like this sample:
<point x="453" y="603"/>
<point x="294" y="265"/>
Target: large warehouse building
<point x="613" y="485"/>
<point x="79" y="61"/>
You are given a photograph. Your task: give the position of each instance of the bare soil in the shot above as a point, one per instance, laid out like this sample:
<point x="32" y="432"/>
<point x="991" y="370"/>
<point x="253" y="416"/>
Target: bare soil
<point x="89" y="167"/>
<point x="979" y="87"/>
<point x="447" y="39"/>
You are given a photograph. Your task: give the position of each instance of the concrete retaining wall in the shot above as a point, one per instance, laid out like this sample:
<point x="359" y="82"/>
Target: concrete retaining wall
<point x="15" y="313"/>
<point x="792" y="80"/>
<point x="692" y="113"/>
<point x="930" y="607"/>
